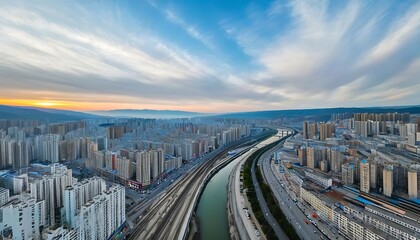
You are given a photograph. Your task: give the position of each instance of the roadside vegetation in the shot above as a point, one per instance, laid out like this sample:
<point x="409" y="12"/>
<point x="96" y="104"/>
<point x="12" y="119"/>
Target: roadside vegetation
<point x="272" y="203"/>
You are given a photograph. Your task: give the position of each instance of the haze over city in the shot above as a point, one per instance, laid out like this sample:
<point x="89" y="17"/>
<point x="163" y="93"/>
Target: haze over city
<point x="209" y="56"/>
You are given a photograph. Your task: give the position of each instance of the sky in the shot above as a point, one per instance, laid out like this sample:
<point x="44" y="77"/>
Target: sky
<point x="209" y="56"/>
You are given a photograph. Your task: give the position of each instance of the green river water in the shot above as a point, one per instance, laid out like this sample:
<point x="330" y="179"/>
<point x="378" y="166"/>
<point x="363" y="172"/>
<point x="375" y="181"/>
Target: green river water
<point x="211" y="210"/>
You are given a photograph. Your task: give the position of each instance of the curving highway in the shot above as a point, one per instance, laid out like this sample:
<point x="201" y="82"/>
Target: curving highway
<point x="263" y="204"/>
<point x="288" y="207"/>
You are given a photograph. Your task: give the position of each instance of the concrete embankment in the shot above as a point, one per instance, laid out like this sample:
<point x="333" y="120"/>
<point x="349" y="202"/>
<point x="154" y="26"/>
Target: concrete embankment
<point x="233" y="230"/>
<point x="221" y="183"/>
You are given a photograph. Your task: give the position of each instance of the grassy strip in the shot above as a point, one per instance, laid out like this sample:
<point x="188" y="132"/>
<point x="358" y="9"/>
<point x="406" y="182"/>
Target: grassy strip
<point x="274" y="207"/>
<point x="268" y="196"/>
<point x="252" y="196"/>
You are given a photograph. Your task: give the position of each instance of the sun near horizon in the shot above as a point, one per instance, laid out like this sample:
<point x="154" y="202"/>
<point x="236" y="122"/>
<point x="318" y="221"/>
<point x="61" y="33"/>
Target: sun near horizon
<point x="102" y="106"/>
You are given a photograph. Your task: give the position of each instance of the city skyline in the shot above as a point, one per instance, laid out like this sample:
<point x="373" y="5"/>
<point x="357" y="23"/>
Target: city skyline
<point x="209" y="57"/>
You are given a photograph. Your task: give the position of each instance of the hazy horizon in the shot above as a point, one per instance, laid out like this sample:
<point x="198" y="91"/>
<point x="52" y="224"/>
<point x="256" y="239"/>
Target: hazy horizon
<point x="95" y="111"/>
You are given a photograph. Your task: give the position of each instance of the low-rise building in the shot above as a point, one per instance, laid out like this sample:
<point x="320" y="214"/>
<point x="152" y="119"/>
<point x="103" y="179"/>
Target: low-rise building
<point x="353" y="228"/>
<point x="319" y="178"/>
<point x="322" y="205"/>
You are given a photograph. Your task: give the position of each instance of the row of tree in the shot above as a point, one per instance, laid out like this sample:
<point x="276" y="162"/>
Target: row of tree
<point x="272" y="203"/>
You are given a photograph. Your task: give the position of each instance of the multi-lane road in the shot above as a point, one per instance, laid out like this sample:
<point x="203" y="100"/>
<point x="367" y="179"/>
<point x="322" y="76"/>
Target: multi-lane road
<point x="263" y="204"/>
<point x="326" y="230"/>
<point x="287" y="205"/>
<point x="296" y="212"/>
<point x="246" y="224"/>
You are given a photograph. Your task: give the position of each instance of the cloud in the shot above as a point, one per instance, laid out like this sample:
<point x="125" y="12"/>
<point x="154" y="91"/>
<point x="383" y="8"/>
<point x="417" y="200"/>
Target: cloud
<point x="45" y="45"/>
<point x="192" y="31"/>
<point x="341" y="53"/>
<point x="299" y="54"/>
<point x="400" y="33"/>
<point x="40" y="54"/>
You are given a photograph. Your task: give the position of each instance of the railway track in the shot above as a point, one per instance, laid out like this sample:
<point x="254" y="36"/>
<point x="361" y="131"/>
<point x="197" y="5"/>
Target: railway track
<point x="161" y="219"/>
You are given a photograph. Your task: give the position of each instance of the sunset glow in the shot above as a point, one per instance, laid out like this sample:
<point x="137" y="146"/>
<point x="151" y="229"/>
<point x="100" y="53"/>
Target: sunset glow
<point x="261" y="55"/>
<point x="47" y="104"/>
<point x="36" y="103"/>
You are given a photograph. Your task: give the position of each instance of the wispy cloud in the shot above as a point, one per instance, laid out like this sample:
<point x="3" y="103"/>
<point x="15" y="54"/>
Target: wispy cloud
<point x="301" y="54"/>
<point x="39" y="54"/>
<point x="354" y="51"/>
<point x="191" y="30"/>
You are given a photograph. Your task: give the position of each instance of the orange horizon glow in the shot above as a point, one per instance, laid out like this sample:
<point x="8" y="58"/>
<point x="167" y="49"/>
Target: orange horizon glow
<point x="34" y="103"/>
<point x="99" y="106"/>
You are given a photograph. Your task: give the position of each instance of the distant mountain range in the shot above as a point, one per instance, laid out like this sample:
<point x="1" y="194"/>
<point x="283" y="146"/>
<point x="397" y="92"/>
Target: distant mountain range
<point x="321" y="114"/>
<point x="56" y="115"/>
<point x="42" y="114"/>
<point x="149" y="113"/>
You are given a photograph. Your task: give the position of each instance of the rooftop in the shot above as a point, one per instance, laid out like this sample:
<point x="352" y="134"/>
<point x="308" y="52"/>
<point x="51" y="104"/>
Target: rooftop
<point x="406" y="220"/>
<point x="363" y="224"/>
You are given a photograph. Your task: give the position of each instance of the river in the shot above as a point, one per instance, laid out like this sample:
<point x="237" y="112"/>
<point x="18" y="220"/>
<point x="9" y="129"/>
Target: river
<point x="211" y="210"/>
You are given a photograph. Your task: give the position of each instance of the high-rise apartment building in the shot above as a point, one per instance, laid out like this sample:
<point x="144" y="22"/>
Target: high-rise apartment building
<point x="102" y="215"/>
<point x="305" y="131"/>
<point x="143" y="168"/>
<point x="302" y="156"/>
<point x="114" y="132"/>
<point x="154" y="163"/>
<point x="124" y="167"/>
<point x="400" y="176"/>
<point x="335" y="159"/>
<point x="50" y="188"/>
<point x="157" y="162"/>
<point x="77" y="195"/>
<point x="69" y="150"/>
<point x="364" y="176"/>
<point x="23" y="217"/>
<point x="325" y="131"/>
<point x="347" y="173"/>
<point x="98" y="159"/>
<point x="311" y="157"/>
<point x="413" y="183"/>
<point x="92" y="149"/>
<point x="313" y="129"/>
<point x="388" y="182"/>
<point x="49" y="151"/>
<point x="102" y="143"/>
<point x="324" y="166"/>
<point x="14" y="152"/>
<point x="402" y="128"/>
<point x="161" y="160"/>
<point x="361" y="128"/>
<point x="412" y="130"/>
<point x="373" y="178"/>
<point x="17" y="184"/>
<point x="110" y="160"/>
<point x="4" y="196"/>
<point x="3" y="153"/>
<point x="187" y="151"/>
